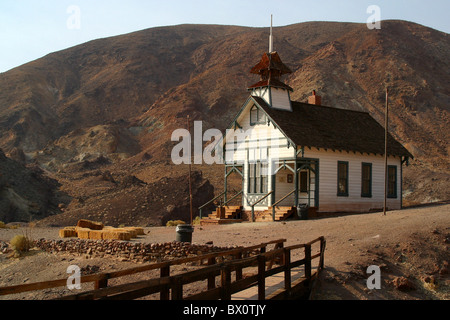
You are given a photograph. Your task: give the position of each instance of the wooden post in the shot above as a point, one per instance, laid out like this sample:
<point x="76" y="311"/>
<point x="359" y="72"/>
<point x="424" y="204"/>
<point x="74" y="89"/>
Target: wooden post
<point x="239" y="269"/>
<point x="287" y="271"/>
<point x="308" y="261"/>
<point x="386" y="129"/>
<point x="177" y="289"/>
<point x="211" y="279"/>
<point x="165" y="272"/>
<point x="190" y="174"/>
<point x="261" y="277"/>
<point x="99" y="284"/>
<point x="322" y="252"/>
<point x="296" y="180"/>
<point x="225" y="185"/>
<point x="225" y="276"/>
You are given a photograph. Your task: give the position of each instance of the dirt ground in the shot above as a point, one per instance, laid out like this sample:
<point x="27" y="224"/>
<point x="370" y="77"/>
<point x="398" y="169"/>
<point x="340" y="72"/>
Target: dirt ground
<point x="410" y="245"/>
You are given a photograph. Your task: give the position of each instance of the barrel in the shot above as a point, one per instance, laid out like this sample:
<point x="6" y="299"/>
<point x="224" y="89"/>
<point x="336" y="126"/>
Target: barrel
<point x="184" y="233"/>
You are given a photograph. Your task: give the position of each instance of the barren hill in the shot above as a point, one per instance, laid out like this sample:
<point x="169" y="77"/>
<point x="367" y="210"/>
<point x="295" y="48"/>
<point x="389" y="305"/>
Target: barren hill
<point x="119" y="99"/>
<point x="26" y="193"/>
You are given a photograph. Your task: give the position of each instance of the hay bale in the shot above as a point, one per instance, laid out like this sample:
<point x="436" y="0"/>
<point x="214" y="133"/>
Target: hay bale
<point x="67" y="233"/>
<point x="83" y="233"/>
<point x="140" y="231"/>
<point x="90" y="224"/>
<point x="124" y="236"/>
<point x="96" y="234"/>
<point x="131" y="230"/>
<point x="114" y="234"/>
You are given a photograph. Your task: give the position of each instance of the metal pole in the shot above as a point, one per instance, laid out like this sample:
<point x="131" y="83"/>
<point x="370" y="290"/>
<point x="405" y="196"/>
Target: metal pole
<point x="190" y="171"/>
<point x="386" y="151"/>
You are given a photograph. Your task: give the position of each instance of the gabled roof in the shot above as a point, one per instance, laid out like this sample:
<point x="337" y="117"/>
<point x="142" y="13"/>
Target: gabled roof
<point x="332" y="128"/>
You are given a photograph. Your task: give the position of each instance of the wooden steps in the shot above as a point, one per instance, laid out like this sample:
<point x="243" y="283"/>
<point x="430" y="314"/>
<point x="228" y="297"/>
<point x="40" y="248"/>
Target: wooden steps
<point x="231" y="214"/>
<point x="223" y="215"/>
<point x="281" y="214"/>
<point x="215" y="221"/>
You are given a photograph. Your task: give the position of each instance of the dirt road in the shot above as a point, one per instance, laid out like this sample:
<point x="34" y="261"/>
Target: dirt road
<point x="412" y="244"/>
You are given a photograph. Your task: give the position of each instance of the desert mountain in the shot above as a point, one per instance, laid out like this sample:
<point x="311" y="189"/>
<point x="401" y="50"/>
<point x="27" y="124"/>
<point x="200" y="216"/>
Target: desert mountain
<point x="26" y="192"/>
<point x="112" y="104"/>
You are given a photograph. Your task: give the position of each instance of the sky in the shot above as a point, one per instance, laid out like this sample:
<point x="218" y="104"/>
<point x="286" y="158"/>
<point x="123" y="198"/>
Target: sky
<point x="30" y="29"/>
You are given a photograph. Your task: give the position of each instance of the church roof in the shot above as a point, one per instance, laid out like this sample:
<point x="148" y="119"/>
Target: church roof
<point x="332" y="128"/>
<point x="271" y="83"/>
<point x="270" y="61"/>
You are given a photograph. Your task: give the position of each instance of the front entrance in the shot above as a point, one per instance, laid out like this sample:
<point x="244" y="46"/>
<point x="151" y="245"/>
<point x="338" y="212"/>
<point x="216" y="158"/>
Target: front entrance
<point x="296" y="183"/>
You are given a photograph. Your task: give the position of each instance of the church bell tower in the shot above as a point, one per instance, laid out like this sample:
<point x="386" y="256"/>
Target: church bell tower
<point x="270" y="87"/>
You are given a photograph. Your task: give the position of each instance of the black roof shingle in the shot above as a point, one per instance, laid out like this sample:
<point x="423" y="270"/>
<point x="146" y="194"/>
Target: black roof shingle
<point x="332" y="128"/>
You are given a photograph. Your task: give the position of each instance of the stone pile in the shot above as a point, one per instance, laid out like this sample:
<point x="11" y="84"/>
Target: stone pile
<point x="127" y="251"/>
<point x="4" y="247"/>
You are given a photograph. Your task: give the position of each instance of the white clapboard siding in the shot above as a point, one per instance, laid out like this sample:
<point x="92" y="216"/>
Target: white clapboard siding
<point x="257" y="142"/>
<point x="328" y="163"/>
<point x="253" y="140"/>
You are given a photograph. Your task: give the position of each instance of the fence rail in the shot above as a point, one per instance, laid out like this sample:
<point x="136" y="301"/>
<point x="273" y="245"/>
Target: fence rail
<point x="101" y="280"/>
<point x="172" y="287"/>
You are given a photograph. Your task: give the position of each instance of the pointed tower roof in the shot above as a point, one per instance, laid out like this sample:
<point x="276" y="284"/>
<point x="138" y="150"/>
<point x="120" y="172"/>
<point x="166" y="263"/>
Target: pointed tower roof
<point x="270" y="69"/>
<point x="270" y="61"/>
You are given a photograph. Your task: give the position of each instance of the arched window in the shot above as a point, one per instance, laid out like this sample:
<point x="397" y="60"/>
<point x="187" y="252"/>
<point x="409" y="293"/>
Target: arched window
<point x="257" y="116"/>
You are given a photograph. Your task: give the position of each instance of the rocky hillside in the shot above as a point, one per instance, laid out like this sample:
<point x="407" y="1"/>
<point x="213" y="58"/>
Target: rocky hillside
<point x="112" y="104"/>
<point x="26" y="193"/>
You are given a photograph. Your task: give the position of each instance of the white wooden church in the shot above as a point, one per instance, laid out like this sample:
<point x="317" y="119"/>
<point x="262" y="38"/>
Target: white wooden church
<point x="294" y="155"/>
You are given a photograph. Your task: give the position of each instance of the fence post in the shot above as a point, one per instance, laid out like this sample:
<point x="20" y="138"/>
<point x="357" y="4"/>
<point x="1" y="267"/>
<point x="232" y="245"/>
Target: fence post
<point x="263" y="249"/>
<point x="225" y="276"/>
<point x="322" y="252"/>
<point x="261" y="277"/>
<point x="99" y="284"/>
<point x="287" y="271"/>
<point x="308" y="261"/>
<point x="239" y="269"/>
<point x="165" y="272"/>
<point x="211" y="279"/>
<point x="177" y="288"/>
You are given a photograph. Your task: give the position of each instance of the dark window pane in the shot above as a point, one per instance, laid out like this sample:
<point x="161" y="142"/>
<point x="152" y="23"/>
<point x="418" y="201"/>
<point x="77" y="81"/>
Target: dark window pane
<point x="342" y="178"/>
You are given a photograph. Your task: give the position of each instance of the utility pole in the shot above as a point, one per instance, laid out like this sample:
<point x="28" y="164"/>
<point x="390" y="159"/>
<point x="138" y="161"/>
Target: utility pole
<point x="386" y="130"/>
<point x="190" y="173"/>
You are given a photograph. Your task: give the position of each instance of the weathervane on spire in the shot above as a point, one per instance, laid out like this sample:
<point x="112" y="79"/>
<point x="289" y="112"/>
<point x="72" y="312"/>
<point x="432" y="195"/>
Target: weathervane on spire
<point x="271" y="34"/>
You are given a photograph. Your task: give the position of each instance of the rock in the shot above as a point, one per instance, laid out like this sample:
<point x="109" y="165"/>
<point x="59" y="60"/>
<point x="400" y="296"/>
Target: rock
<point x="403" y="284"/>
<point x="429" y="279"/>
<point x="444" y="270"/>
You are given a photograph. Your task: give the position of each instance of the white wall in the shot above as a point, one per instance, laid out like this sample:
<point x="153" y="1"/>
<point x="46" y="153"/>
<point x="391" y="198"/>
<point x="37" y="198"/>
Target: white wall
<point x="256" y="142"/>
<point x="328" y="199"/>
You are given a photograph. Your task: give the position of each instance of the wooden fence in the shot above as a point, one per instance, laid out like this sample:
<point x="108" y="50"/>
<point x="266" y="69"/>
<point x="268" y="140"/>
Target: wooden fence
<point x="101" y="280"/>
<point x="172" y="287"/>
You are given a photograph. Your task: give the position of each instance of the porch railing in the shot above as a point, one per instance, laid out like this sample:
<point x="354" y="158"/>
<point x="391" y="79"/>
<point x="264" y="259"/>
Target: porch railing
<point x="279" y="201"/>
<point x="208" y="203"/>
<point x="234" y="197"/>
<point x="253" y="205"/>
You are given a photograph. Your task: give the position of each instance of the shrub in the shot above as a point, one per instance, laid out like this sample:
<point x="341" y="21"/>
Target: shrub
<point x="20" y="243"/>
<point x="174" y="223"/>
<point x="2" y="225"/>
<point x="196" y="221"/>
